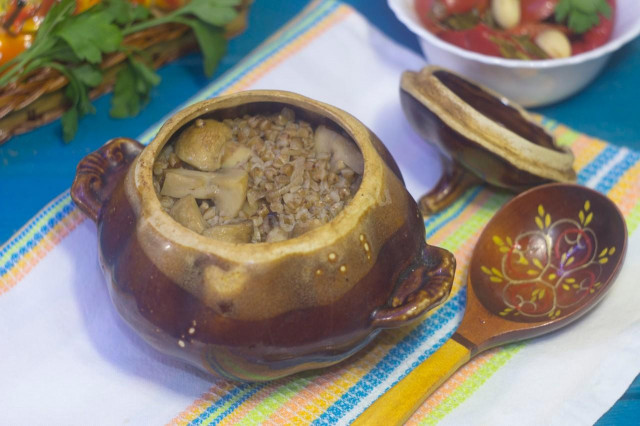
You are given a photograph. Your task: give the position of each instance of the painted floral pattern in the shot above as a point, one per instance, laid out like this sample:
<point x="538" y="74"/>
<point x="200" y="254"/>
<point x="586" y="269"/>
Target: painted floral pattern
<point x="547" y="271"/>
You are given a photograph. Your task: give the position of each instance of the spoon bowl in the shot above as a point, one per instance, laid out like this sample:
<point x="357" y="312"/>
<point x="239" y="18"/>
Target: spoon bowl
<point x="544" y="260"/>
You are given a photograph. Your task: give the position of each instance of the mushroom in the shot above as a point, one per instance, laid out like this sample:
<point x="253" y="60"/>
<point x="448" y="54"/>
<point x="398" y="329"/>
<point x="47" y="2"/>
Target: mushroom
<point x="339" y="147"/>
<point x="200" y="145"/>
<point x="240" y="232"/>
<point x="226" y="187"/>
<point x="186" y="212"/>
<point x="235" y="154"/>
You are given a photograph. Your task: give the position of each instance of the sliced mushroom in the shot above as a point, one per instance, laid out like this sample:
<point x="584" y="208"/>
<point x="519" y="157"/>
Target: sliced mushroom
<point x="277" y="234"/>
<point x="339" y="147"/>
<point x="235" y="154"/>
<point x="232" y="233"/>
<point x="226" y="187"/>
<point x="232" y="195"/>
<point x="200" y="145"/>
<point x="186" y="212"/>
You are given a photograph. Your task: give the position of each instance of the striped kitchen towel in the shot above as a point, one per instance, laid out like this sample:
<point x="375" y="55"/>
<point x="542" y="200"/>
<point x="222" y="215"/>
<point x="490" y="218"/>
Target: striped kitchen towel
<point x="67" y="358"/>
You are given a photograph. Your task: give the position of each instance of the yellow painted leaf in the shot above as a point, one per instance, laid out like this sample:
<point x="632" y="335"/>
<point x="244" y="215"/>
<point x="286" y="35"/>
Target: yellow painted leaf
<point x="604" y="260"/>
<point x="540" y="210"/>
<point x="523" y="261"/>
<point x="532" y="272"/>
<point x="496" y="272"/>
<point x="502" y="314"/>
<point x="587" y="205"/>
<point x="509" y="242"/>
<point x="588" y="219"/>
<point x="537" y="262"/>
<point x="496" y="279"/>
<point x="598" y="284"/>
<point x="603" y="252"/>
<point x="539" y="222"/>
<point x="535" y="291"/>
<point x="552" y="277"/>
<point x="485" y="270"/>
<point x="542" y="293"/>
<point x="497" y="240"/>
<point x="504" y="249"/>
<point x="570" y="261"/>
<point x="563" y="257"/>
<point x="571" y="280"/>
<point x="612" y="250"/>
<point x="581" y="216"/>
<point x="576" y="286"/>
<point x="565" y="287"/>
<point x="547" y="220"/>
<point x="508" y="309"/>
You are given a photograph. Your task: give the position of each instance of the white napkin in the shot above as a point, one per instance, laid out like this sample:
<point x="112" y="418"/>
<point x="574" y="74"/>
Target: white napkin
<point x="67" y="358"/>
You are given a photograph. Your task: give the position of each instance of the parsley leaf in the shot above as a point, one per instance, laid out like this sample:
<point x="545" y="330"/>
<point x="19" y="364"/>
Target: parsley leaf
<point x="90" y="35"/>
<point x="75" y="45"/>
<point x="582" y="15"/>
<point x="133" y="87"/>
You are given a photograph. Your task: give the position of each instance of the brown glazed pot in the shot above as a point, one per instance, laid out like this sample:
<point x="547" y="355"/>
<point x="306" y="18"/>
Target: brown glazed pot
<point x="257" y="312"/>
<point x="483" y="137"/>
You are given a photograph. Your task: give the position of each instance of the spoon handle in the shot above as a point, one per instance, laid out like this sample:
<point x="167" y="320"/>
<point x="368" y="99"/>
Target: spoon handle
<point x="396" y="405"/>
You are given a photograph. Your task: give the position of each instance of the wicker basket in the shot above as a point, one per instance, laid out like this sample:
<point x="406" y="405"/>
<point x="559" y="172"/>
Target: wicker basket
<point x="38" y="98"/>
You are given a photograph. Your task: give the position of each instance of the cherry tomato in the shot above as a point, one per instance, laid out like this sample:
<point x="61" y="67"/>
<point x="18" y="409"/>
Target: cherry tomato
<point x="536" y="10"/>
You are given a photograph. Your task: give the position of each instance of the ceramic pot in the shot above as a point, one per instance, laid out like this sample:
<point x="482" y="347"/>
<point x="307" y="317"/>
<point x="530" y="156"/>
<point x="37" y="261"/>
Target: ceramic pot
<point x="483" y="137"/>
<point x="257" y="312"/>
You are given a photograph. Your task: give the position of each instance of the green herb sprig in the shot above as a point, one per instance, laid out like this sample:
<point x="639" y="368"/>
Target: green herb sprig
<point x="75" y="46"/>
<point x="582" y="15"/>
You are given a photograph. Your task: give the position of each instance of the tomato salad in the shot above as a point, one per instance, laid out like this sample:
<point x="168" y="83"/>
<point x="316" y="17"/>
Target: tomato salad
<point x="520" y="29"/>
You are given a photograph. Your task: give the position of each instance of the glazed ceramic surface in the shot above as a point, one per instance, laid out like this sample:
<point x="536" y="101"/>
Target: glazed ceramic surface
<point x="483" y="135"/>
<point x="261" y="311"/>
<point x="529" y="83"/>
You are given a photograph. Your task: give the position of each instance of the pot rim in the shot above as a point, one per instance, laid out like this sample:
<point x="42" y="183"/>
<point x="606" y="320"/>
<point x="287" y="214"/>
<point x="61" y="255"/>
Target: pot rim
<point x="368" y="194"/>
<point x="555" y="164"/>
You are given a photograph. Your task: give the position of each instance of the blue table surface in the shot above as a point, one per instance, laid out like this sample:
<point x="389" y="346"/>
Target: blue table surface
<point x="36" y="167"/>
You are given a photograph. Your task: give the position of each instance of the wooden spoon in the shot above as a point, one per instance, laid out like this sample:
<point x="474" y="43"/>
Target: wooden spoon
<point x="544" y="260"/>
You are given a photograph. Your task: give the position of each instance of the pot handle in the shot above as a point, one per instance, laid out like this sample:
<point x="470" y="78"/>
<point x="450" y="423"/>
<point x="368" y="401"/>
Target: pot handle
<point x="424" y="286"/>
<point x="455" y="180"/>
<point x="98" y="173"/>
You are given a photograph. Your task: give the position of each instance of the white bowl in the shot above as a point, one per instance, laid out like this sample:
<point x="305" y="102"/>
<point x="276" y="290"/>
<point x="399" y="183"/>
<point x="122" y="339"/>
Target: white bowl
<point x="529" y="83"/>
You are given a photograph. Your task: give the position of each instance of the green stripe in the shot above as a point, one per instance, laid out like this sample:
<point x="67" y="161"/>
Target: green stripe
<point x="567" y="138"/>
<point x="633" y="218"/>
<point x="450" y="211"/>
<point x="472" y="384"/>
<point x="260" y="55"/>
<point x="273" y="402"/>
